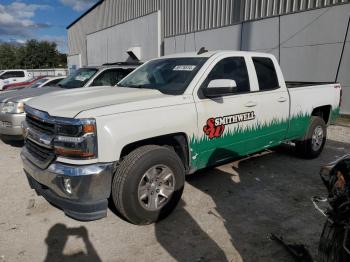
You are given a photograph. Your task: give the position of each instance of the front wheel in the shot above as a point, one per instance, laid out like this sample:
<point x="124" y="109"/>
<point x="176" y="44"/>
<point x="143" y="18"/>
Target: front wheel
<point x="148" y="184"/>
<point x="312" y="144"/>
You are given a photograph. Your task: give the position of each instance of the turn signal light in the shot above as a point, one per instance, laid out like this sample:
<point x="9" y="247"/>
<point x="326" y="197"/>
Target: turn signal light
<point x="89" y="128"/>
<point x="73" y="152"/>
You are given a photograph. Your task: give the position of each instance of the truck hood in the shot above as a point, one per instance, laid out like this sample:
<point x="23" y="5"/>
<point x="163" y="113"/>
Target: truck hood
<point x="70" y="103"/>
<point x="26" y="93"/>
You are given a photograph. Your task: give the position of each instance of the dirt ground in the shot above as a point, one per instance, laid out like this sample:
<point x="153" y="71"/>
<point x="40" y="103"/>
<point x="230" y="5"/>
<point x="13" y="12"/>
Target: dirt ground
<point x="226" y="214"/>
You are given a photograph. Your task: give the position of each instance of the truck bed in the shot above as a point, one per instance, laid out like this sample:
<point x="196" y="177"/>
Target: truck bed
<point x="308" y="96"/>
<point x="296" y="84"/>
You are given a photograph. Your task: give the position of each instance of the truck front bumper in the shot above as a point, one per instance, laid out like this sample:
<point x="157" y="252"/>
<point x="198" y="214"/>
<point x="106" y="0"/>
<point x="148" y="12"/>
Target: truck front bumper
<point x="82" y="192"/>
<point x="10" y="124"/>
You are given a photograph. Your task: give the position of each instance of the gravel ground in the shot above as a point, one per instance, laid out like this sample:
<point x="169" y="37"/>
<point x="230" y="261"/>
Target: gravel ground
<point x="226" y="214"/>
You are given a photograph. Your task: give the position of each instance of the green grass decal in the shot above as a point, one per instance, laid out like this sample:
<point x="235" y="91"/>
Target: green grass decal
<point x="334" y="115"/>
<point x="239" y="141"/>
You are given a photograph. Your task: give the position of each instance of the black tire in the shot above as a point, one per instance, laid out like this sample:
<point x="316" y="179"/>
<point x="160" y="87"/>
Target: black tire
<point x="331" y="244"/>
<point x="128" y="177"/>
<point x="305" y="147"/>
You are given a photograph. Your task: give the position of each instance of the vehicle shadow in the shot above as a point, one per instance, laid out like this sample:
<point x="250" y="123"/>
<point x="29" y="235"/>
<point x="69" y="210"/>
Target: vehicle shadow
<point x="15" y="142"/>
<point x="182" y="237"/>
<point x="270" y="195"/>
<point x="57" y="238"/>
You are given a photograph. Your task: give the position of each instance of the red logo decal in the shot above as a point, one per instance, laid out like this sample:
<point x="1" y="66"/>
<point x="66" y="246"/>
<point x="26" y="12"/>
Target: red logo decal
<point x="215" y="127"/>
<point x="213" y="131"/>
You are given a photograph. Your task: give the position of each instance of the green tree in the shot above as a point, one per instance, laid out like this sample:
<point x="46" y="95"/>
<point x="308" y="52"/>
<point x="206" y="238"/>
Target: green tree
<point x="33" y="54"/>
<point x="7" y="56"/>
<point x="20" y="56"/>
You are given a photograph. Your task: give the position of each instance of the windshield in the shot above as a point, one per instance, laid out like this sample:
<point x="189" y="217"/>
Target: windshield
<point x="38" y="83"/>
<point x="79" y="78"/>
<point x="169" y="76"/>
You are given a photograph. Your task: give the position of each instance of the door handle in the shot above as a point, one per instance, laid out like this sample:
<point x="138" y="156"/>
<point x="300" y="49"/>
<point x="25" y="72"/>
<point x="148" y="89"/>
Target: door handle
<point x="251" y="104"/>
<point x="282" y="99"/>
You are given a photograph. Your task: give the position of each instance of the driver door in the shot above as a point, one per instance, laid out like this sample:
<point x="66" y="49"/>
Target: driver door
<point x="225" y="123"/>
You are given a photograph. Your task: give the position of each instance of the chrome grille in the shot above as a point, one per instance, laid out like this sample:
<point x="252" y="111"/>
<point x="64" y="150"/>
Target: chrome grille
<point x="40" y="152"/>
<point x="40" y="125"/>
<point x="40" y="131"/>
<point x="43" y="156"/>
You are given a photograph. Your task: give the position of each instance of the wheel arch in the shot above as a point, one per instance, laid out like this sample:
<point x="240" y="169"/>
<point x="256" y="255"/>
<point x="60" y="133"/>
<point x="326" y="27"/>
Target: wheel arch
<point x="324" y="112"/>
<point x="179" y="142"/>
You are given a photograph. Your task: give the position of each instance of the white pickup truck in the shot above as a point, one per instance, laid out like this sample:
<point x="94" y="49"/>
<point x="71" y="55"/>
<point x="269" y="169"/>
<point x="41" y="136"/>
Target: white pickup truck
<point x="174" y="115"/>
<point x="13" y="76"/>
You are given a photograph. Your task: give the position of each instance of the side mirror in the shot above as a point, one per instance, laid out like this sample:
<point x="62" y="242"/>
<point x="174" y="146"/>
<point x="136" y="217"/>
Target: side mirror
<point x="220" y="87"/>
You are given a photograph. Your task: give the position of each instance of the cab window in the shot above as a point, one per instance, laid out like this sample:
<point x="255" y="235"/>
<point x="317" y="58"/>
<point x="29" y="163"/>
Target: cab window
<point x="6" y="75"/>
<point x="233" y="68"/>
<point x="266" y="73"/>
<point x="12" y="74"/>
<point x="110" y="77"/>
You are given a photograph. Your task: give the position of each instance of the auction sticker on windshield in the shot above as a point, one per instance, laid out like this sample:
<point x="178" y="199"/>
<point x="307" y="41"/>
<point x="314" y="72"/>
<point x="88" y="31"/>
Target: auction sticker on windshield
<point x="184" y="68"/>
<point x="81" y="78"/>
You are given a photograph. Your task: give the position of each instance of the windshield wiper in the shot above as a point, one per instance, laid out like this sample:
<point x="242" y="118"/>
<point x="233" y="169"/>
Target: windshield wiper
<point x="66" y="87"/>
<point x="137" y="86"/>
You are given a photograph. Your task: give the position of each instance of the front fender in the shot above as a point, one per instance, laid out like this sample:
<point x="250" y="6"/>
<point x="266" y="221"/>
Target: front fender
<point x="119" y="130"/>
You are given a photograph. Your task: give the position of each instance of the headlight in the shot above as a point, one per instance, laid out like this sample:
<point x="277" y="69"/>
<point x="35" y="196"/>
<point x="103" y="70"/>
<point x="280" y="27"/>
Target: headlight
<point x="76" y="138"/>
<point x="13" y="108"/>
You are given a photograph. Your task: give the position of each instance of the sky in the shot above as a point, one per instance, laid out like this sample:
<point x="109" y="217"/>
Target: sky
<point x="21" y="20"/>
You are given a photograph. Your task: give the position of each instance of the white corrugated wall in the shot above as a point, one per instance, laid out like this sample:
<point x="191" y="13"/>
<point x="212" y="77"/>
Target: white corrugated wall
<point x="182" y="16"/>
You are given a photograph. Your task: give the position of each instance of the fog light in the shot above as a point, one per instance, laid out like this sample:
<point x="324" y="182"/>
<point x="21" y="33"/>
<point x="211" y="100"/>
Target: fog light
<point x="67" y="185"/>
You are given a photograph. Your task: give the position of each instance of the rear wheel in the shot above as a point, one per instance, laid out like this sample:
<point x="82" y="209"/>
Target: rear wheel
<point x="312" y="144"/>
<point x="148" y="184"/>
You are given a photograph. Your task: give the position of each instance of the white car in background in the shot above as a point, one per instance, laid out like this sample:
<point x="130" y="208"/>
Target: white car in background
<point x="13" y="76"/>
<point x="47" y="81"/>
<point x="12" y="102"/>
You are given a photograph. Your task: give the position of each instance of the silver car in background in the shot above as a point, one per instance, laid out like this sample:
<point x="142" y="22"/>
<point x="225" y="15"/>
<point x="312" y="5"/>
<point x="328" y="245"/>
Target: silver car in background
<point x="12" y="102"/>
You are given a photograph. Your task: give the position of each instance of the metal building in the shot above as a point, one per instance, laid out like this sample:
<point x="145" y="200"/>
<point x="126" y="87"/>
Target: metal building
<point x="309" y="37"/>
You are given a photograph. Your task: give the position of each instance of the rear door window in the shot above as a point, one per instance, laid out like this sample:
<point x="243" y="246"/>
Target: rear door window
<point x="266" y="73"/>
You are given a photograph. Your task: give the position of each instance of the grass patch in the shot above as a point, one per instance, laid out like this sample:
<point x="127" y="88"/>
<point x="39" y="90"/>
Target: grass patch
<point x="240" y="138"/>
